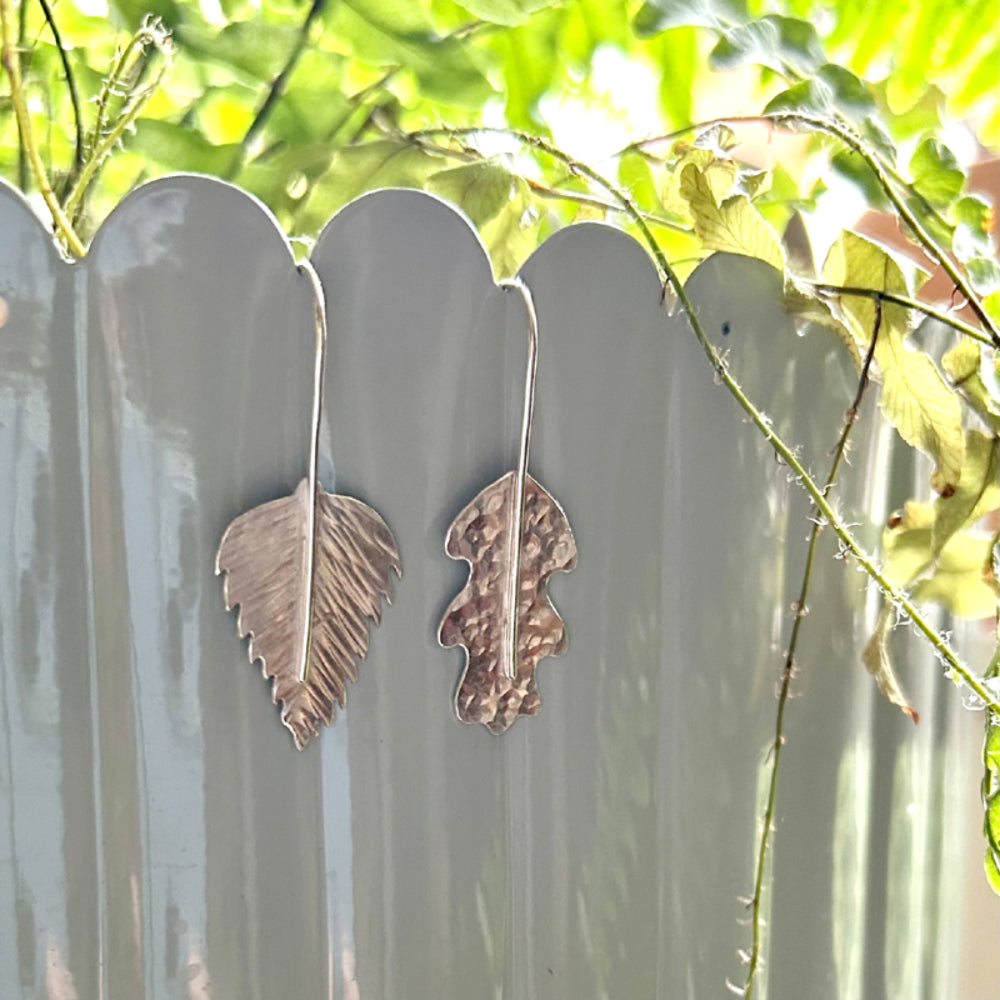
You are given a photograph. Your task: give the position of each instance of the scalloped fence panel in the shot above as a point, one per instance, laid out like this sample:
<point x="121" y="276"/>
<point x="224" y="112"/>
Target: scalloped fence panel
<point x="160" y="837"/>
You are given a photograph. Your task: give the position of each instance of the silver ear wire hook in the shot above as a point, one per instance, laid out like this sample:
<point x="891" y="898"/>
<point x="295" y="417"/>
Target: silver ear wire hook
<point x="319" y="317"/>
<point x="517" y="508"/>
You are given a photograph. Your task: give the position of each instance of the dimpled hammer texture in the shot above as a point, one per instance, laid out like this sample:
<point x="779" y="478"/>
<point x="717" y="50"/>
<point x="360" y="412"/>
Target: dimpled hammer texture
<point x="475" y="618"/>
<point x="264" y="556"/>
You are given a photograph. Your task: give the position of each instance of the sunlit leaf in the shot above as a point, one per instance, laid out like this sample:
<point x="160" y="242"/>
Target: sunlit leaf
<point x="659" y="15"/>
<point x="936" y="173"/>
<point x="984" y="274"/>
<point x="735" y="226"/>
<point x="977" y="490"/>
<point x="181" y="147"/>
<point x="480" y="189"/>
<point x="254" y="47"/>
<point x="958" y="581"/>
<point x="907" y="544"/>
<point x="512" y="234"/>
<point x="778" y="42"/>
<point x="914" y="397"/>
<point x="965" y="363"/>
<point x="507" y="12"/>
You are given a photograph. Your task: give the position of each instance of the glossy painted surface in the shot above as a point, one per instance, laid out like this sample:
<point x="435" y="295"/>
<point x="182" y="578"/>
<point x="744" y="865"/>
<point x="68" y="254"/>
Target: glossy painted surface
<point x="160" y="837"/>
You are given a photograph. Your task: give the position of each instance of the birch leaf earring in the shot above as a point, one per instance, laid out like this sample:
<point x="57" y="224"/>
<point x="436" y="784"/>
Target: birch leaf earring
<point x="308" y="572"/>
<point x="514" y="536"/>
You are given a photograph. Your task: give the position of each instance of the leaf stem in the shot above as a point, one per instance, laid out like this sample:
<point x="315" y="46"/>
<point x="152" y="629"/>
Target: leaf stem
<point x="788" y="669"/>
<point x="11" y="64"/>
<point x="849" y="543"/>
<point x="902" y="300"/>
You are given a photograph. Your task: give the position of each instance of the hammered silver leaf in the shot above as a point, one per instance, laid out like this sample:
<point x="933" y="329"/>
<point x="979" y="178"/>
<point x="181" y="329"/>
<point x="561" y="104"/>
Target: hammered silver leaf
<point x="264" y="555"/>
<point x="478" y="615"/>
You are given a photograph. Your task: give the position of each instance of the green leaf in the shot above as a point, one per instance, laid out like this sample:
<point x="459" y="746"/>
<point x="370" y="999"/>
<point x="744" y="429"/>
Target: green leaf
<point x="636" y="175"/>
<point x="778" y="42"/>
<point x="965" y="363"/>
<point x="658" y="15"/>
<point x="256" y="47"/>
<point x="506" y="12"/>
<point x="850" y="167"/>
<point x="914" y="397"/>
<point x="512" y="234"/>
<point x="356" y="169"/>
<point x="958" y="581"/>
<point x="181" y="147"/>
<point x="734" y="226"/>
<point x="984" y="274"/>
<point x="977" y="491"/>
<point x="480" y="189"/>
<point x="831" y="89"/>
<point x="907" y="544"/>
<point x="875" y="657"/>
<point x="398" y="33"/>
<point x="937" y="177"/>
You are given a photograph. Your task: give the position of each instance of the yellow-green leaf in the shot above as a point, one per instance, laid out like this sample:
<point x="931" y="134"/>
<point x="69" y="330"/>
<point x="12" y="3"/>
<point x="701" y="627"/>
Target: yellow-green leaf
<point x="965" y="363"/>
<point x="915" y="398"/>
<point x="958" y="581"/>
<point x="513" y="233"/>
<point x="735" y="226"/>
<point x="876" y="660"/>
<point x="482" y="189"/>
<point x="976" y="493"/>
<point x="855" y="262"/>
<point x="922" y="408"/>
<point x="907" y="546"/>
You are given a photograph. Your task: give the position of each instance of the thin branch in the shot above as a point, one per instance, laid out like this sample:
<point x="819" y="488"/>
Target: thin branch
<point x="902" y="300"/>
<point x="788" y="667"/>
<point x="11" y="64"/>
<point x="849" y="543"/>
<point x="74" y="95"/>
<point x="279" y="83"/>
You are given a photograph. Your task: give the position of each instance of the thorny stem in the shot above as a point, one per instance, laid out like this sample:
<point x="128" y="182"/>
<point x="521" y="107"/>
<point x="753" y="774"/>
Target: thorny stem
<point x="784" y="451"/>
<point x="104" y="145"/>
<point x="74" y="94"/>
<point x="902" y="300"/>
<point x="11" y="64"/>
<point x="788" y="668"/>
<point x="114" y="80"/>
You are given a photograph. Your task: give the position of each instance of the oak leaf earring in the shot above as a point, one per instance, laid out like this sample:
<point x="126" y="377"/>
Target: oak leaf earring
<point x="514" y="536"/>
